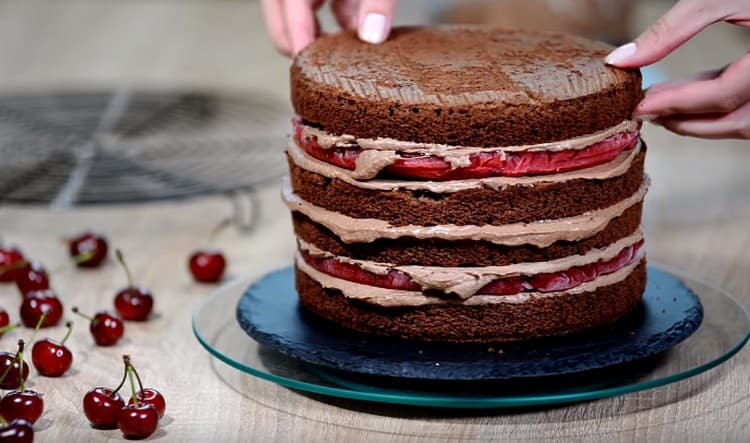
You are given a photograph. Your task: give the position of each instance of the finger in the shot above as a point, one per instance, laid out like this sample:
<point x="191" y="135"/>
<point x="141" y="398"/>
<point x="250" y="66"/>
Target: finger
<point x="374" y="22"/>
<point x="301" y="23"/>
<point x="724" y="94"/>
<point x="678" y="25"/>
<point x="735" y="124"/>
<point x="346" y="12"/>
<point x="274" y="18"/>
<point x="672" y="84"/>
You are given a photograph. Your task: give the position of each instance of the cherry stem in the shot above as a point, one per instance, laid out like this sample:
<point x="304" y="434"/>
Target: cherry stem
<point x="217" y="230"/>
<point x="121" y="259"/>
<point x="138" y="377"/>
<point x="7" y="370"/>
<point x="129" y="370"/>
<point x="20" y="264"/>
<point x="3" y="421"/>
<point x="122" y="382"/>
<point x="19" y="356"/>
<point x="87" y="317"/>
<point x="69" y="325"/>
<point x="38" y="325"/>
<point x="7" y="328"/>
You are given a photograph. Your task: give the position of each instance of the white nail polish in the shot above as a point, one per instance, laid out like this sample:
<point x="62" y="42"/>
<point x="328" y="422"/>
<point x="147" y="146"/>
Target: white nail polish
<point x="620" y="54"/>
<point x="372" y="29"/>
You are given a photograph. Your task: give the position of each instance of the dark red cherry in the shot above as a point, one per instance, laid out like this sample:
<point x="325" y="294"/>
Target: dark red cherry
<point x="207" y="265"/>
<point x="138" y="421"/>
<point x="17" y="431"/>
<point x="27" y="405"/>
<point x="91" y="246"/>
<point x="152" y="397"/>
<point x="106" y="328"/>
<point x="102" y="407"/>
<point x="41" y="302"/>
<point x="12" y="368"/>
<point x="13" y="379"/>
<point x="10" y="259"/>
<point x="32" y="277"/>
<point x="52" y="358"/>
<point x="134" y="303"/>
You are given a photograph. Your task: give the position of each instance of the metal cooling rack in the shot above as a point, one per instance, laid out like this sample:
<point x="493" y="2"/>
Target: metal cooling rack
<point x="77" y="148"/>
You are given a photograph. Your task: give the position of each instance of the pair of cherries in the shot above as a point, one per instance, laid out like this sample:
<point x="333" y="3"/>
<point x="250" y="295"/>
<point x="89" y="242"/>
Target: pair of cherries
<point x="132" y="303"/>
<point x="32" y="280"/>
<point x="88" y="250"/>
<point x="21" y="406"/>
<point x="106" y="409"/>
<point x="50" y="357"/>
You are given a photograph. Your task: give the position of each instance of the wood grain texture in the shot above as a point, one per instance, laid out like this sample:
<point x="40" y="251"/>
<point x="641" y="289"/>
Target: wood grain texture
<point x="697" y="217"/>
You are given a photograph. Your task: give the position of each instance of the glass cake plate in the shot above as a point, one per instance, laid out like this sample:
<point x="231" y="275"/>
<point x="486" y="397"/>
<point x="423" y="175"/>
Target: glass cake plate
<point x="724" y="330"/>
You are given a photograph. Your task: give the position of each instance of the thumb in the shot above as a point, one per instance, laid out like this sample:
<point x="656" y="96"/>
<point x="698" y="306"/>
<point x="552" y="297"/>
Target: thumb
<point x="374" y="20"/>
<point x="680" y="24"/>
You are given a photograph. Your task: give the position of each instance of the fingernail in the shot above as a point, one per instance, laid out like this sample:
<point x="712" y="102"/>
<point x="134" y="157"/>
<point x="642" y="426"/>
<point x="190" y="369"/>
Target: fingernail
<point x="372" y="29"/>
<point x="620" y="54"/>
<point x="646" y="117"/>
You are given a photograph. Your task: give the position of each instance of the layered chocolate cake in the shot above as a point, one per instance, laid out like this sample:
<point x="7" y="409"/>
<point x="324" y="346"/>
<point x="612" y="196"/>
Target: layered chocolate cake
<point x="466" y="184"/>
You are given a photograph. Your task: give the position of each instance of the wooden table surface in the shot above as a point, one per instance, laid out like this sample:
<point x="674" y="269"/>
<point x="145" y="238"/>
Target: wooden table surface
<point x="697" y="219"/>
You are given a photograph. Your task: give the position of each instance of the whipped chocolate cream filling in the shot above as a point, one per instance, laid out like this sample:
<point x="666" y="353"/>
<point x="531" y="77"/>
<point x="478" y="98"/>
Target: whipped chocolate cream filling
<point x="614" y="168"/>
<point x="467" y="281"/>
<point x="540" y="233"/>
<point x="377" y="154"/>
<point x="328" y="141"/>
<point x="396" y="298"/>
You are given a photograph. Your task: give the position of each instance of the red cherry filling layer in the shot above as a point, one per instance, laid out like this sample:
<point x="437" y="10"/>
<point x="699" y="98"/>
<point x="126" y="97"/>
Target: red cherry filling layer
<point x="556" y="281"/>
<point x="483" y="164"/>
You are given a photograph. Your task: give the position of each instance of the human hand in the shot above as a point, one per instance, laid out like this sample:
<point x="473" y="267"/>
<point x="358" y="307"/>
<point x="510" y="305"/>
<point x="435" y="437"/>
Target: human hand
<point x="293" y="24"/>
<point x="714" y="104"/>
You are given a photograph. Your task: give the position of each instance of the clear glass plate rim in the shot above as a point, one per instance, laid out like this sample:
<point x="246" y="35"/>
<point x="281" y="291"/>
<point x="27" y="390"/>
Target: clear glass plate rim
<point x="428" y="399"/>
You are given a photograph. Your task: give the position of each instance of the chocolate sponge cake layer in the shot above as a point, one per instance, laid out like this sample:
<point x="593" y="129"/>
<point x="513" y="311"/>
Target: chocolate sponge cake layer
<point x="500" y="322"/>
<point x="468" y="86"/>
<point x="437" y="252"/>
<point x="481" y="206"/>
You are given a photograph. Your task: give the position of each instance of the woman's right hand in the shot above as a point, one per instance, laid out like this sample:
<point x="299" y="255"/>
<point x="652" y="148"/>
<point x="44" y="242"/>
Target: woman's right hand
<point x="715" y="104"/>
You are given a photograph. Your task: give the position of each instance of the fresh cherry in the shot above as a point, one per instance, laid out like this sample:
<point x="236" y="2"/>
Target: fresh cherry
<point x="10" y="261"/>
<point x="207" y="265"/>
<point x="52" y="358"/>
<point x="32" y="277"/>
<point x="91" y="246"/>
<point x="147" y="395"/>
<point x="132" y="302"/>
<point x="4" y="318"/>
<point x="25" y="404"/>
<point x="138" y="421"/>
<point x="106" y="328"/>
<point x="152" y="397"/>
<point x="38" y="303"/>
<point x="102" y="407"/>
<point x="13" y="369"/>
<point x="17" y="431"/>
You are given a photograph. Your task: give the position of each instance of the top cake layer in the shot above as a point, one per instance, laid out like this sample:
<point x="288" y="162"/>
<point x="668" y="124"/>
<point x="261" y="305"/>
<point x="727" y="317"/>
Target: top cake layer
<point x="464" y="86"/>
